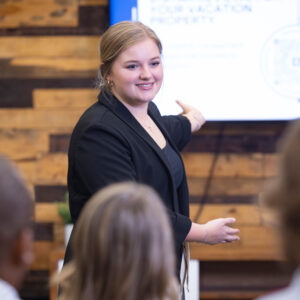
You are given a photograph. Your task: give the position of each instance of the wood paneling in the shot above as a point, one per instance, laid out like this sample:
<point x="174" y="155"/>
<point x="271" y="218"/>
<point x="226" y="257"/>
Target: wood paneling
<point x="38" y="119"/>
<point x="246" y="215"/>
<point x="43" y="231"/>
<point x="233" y="143"/>
<point x="46" y="170"/>
<point x="32" y="143"/>
<point x="64" y="98"/>
<point x="51" y="57"/>
<point x="235" y="186"/>
<point x="38" y="13"/>
<point x="252" y="165"/>
<point x="92" y="20"/>
<point x="17" y="93"/>
<point x="47" y="212"/>
<point x="42" y="250"/>
<point x="59" y="142"/>
<point x="49" y="47"/>
<point x="93" y="2"/>
<point x="256" y="243"/>
<point x="241" y="280"/>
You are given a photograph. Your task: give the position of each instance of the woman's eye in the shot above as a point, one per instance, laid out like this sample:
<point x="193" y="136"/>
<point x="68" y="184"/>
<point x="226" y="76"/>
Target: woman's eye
<point x="131" y="67"/>
<point x="155" y="63"/>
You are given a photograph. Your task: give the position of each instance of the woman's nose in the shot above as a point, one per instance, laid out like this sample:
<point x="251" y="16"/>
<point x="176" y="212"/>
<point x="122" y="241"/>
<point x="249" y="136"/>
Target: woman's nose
<point x="145" y="73"/>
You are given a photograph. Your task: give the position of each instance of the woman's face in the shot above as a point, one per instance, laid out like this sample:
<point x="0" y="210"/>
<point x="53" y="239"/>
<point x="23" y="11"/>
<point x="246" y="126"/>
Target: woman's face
<point x="137" y="73"/>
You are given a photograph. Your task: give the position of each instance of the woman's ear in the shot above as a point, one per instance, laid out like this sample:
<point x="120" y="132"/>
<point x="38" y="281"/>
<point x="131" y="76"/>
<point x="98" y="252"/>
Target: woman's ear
<point x="22" y="250"/>
<point x="27" y="243"/>
<point x="108" y="78"/>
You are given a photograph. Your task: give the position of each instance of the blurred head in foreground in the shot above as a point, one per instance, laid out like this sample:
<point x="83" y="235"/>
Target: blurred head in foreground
<point x="282" y="196"/>
<point x="16" y="235"/>
<point x="122" y="248"/>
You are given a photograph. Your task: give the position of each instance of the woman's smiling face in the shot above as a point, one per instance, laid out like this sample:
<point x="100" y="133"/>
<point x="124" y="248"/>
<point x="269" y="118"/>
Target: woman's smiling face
<point x="136" y="75"/>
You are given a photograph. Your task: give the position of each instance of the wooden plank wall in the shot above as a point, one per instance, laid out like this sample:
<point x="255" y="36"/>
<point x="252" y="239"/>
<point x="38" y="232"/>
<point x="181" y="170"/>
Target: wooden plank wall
<point x="48" y="63"/>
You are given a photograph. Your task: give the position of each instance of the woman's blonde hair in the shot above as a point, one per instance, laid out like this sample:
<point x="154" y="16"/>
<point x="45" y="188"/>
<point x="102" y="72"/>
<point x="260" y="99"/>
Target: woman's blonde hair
<point x="122" y="248"/>
<point x="118" y="38"/>
<point x="282" y="195"/>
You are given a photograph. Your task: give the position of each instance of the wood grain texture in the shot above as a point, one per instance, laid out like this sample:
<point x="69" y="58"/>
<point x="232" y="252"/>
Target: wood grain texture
<point x="48" y="68"/>
<point x="255" y="165"/>
<point x="50" y="169"/>
<point x="17" y="93"/>
<point x="38" y="119"/>
<point x="42" y="250"/>
<point x="47" y="212"/>
<point x="43" y="231"/>
<point x="243" y="127"/>
<point x="237" y="143"/>
<point x="50" y="193"/>
<point x="49" y="47"/>
<point x="241" y="279"/>
<point x="93" y="2"/>
<point x="23" y="144"/>
<point x="245" y="214"/>
<point x="64" y="98"/>
<point x="257" y="243"/>
<point x="24" y="13"/>
<point x="92" y="20"/>
<point x="234" y="186"/>
<point x="59" y="143"/>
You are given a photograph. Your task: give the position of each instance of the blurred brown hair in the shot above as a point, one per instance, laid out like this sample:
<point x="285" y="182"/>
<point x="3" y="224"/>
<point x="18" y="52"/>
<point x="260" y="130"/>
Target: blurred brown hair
<point x="282" y="195"/>
<point x="122" y="248"/>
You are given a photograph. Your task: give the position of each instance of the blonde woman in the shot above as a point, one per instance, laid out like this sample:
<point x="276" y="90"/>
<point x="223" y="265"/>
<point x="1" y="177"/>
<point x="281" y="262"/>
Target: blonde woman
<point x="123" y="137"/>
<point x="122" y="248"/>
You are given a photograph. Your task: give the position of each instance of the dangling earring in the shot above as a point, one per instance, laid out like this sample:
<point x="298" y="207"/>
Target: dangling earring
<point x="109" y="83"/>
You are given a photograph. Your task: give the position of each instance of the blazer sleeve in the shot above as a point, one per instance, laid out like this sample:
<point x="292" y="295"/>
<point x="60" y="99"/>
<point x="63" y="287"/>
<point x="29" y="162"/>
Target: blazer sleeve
<point x="102" y="158"/>
<point x="181" y="225"/>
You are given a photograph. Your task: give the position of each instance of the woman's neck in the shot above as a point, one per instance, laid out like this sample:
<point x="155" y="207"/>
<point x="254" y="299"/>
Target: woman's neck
<point x="138" y="111"/>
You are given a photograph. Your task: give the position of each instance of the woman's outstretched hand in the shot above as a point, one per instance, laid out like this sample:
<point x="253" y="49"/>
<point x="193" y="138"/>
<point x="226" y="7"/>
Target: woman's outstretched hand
<point x="214" y="232"/>
<point x="217" y="231"/>
<point x="193" y="114"/>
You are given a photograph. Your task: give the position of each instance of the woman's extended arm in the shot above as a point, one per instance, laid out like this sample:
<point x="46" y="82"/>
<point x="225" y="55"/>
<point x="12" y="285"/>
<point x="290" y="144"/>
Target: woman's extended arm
<point x="213" y="232"/>
<point x="194" y="116"/>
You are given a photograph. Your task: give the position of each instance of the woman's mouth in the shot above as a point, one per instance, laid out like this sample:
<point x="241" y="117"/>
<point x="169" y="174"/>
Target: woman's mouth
<point x="145" y="86"/>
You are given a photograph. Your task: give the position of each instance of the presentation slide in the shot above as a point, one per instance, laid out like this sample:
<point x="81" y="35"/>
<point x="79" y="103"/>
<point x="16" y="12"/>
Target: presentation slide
<point x="232" y="59"/>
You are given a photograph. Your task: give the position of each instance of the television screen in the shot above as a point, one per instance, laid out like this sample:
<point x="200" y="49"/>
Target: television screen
<point x="233" y="60"/>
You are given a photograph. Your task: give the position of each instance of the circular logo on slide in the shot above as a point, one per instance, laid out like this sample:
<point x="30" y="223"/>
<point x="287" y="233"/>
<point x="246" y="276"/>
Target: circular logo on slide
<point x="280" y="61"/>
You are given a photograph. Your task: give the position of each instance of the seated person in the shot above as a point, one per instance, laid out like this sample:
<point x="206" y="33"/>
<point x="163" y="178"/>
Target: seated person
<point x="16" y="235"/>
<point x="282" y="198"/>
<point x="122" y="248"/>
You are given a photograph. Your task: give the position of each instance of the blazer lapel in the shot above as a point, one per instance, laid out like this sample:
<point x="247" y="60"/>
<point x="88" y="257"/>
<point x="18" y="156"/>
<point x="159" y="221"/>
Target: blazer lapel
<point x="124" y="114"/>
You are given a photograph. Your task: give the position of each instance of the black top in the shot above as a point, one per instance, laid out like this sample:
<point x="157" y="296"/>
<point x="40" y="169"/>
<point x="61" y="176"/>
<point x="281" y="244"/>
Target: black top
<point x="108" y="145"/>
<point x="175" y="164"/>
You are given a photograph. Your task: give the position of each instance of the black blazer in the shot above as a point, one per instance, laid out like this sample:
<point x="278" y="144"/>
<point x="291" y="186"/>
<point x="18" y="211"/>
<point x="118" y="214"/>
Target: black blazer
<point x="108" y="145"/>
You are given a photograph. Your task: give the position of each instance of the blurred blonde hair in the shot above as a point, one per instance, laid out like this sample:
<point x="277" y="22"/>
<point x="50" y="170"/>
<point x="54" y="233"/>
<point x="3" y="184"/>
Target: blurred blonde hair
<point x="282" y="195"/>
<point x="122" y="248"/>
<point x="118" y="38"/>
